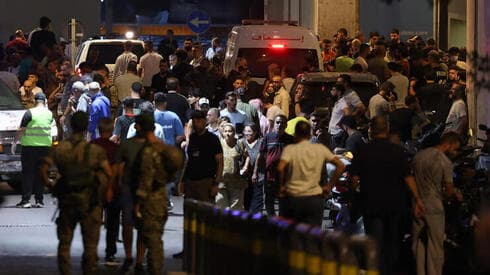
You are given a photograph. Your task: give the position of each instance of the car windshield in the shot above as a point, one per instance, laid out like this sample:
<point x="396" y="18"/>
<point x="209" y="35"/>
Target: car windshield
<point x="8" y="98"/>
<point x="294" y="61"/>
<point x="106" y="53"/>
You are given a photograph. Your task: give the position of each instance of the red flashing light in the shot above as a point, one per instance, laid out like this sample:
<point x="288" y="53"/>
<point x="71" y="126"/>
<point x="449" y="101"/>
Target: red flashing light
<point x="278" y="46"/>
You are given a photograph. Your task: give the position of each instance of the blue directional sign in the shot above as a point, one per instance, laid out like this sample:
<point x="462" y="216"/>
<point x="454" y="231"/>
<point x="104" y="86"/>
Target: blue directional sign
<point x="199" y="21"/>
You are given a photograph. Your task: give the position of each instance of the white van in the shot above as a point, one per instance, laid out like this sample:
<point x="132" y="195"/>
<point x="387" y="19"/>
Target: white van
<point x="295" y="47"/>
<point x="106" y="51"/>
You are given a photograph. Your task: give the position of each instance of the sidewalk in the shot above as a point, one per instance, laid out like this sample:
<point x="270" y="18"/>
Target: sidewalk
<point x="28" y="241"/>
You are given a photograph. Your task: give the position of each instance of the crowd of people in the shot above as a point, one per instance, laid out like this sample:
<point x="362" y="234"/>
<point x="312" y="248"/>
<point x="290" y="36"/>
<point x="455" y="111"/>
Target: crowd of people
<point x="246" y="147"/>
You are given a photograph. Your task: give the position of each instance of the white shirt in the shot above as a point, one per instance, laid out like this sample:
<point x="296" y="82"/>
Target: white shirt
<point x="306" y="162"/>
<point x="158" y="132"/>
<point x="150" y="63"/>
<point x="378" y="106"/>
<point x="401" y="87"/>
<point x="454" y="118"/>
<point x="35" y="91"/>
<point x="238" y="117"/>
<point x="210" y="53"/>
<point x="337" y="114"/>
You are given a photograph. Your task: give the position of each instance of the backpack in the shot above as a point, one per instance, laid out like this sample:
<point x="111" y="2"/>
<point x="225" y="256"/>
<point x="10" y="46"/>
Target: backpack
<point x="78" y="186"/>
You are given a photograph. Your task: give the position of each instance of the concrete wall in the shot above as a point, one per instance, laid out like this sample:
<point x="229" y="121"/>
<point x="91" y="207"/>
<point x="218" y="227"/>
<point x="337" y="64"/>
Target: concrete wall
<point x="457" y="23"/>
<point x="483" y="48"/>
<point x="411" y="17"/>
<point x="25" y="14"/>
<point x="334" y="14"/>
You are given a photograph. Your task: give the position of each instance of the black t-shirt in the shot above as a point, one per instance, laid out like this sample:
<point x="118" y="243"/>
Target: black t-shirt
<point x="139" y="105"/>
<point x="178" y="104"/>
<point x="434" y="97"/>
<point x="401" y="123"/>
<point x="26" y="118"/>
<point x="382" y="167"/>
<point x="39" y="38"/>
<point x="158" y="83"/>
<point x="354" y="142"/>
<point x="201" y="153"/>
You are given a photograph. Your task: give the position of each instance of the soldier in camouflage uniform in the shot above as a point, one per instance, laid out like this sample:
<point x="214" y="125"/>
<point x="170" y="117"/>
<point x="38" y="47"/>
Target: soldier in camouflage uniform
<point x="79" y="193"/>
<point x="159" y="163"/>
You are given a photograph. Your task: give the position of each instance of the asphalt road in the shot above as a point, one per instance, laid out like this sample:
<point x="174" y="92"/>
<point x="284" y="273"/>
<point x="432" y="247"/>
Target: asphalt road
<point x="28" y="241"/>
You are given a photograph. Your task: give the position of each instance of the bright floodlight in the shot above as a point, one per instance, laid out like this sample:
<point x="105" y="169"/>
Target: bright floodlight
<point x="129" y="35"/>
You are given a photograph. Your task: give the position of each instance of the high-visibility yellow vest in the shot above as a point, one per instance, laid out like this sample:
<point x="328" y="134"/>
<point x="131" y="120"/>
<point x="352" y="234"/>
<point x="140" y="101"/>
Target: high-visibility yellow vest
<point x="38" y="130"/>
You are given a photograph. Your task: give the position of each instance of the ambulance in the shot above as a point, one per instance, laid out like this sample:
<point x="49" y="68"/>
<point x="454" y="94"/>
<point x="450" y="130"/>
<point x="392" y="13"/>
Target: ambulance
<point x="261" y="43"/>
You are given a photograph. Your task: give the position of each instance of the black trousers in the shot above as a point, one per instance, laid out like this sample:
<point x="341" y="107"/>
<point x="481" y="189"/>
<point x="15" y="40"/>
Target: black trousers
<point x="387" y="230"/>
<point x="271" y="190"/>
<point x="307" y="209"/>
<point x="31" y="158"/>
<point x="112" y="215"/>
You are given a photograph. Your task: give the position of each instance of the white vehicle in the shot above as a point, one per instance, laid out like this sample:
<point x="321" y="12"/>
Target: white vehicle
<point x="11" y="113"/>
<point x="106" y="51"/>
<point x="293" y="47"/>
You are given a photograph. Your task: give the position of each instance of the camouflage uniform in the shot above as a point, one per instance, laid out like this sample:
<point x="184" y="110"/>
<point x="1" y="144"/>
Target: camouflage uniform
<point x="159" y="162"/>
<point x="80" y="207"/>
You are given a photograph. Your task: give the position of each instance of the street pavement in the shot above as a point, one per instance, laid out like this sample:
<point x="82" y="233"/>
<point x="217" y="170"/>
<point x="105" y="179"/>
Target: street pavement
<point x="28" y="242"/>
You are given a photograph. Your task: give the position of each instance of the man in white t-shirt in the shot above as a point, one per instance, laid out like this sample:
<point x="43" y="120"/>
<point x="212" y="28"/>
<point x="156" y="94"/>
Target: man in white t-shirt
<point x="300" y="170"/>
<point x="457" y="119"/>
<point x="237" y="118"/>
<point x="149" y="65"/>
<point x="339" y="110"/>
<point x="399" y="81"/>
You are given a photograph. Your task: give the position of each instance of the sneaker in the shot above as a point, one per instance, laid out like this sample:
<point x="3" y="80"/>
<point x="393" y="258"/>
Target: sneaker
<point x="24" y="204"/>
<point x="39" y="204"/>
<point x="139" y="269"/>
<point x="111" y="260"/>
<point x="126" y="266"/>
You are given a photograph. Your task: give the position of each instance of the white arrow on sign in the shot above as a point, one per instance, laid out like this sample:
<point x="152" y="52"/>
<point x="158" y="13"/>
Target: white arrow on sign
<point x="196" y="22"/>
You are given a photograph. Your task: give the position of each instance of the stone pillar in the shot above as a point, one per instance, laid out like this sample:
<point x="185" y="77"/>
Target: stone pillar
<point x="334" y="14"/>
<point x="478" y="39"/>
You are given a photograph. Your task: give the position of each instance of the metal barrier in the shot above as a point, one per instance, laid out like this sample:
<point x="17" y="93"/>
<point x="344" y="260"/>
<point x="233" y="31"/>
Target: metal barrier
<point x="221" y="242"/>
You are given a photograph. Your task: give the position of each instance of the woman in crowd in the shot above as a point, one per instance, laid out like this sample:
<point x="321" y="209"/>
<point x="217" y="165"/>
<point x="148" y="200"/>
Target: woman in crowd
<point x="254" y="195"/>
<point x="231" y="190"/>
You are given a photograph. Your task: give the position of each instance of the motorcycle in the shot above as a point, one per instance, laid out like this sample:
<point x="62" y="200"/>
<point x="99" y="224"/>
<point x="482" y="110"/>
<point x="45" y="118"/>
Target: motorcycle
<point x="463" y="218"/>
<point x="343" y="206"/>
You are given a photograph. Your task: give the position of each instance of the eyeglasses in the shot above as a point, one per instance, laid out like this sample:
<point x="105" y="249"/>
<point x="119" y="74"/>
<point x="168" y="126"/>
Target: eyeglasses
<point x="280" y="122"/>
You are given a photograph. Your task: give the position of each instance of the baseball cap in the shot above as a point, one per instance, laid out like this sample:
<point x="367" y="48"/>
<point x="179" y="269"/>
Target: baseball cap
<point x="79" y="86"/>
<point x="40" y="96"/>
<point x="94" y="86"/>
<point x="203" y="100"/>
<point x="136" y="87"/>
